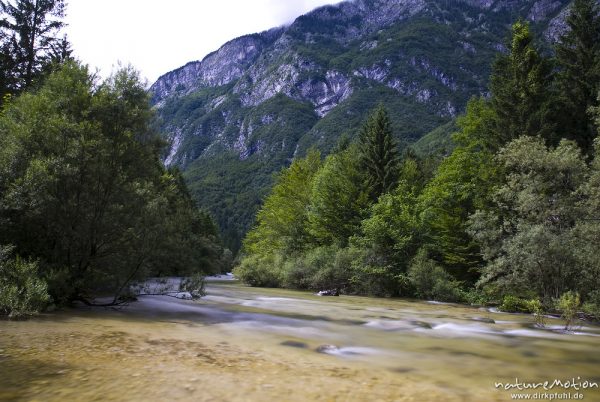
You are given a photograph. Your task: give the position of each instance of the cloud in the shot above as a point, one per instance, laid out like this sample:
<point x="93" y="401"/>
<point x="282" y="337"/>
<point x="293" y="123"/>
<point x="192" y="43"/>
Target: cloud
<point x="157" y="36"/>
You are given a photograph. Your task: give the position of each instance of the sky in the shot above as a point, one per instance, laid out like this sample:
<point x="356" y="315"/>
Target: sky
<point x="157" y="36"/>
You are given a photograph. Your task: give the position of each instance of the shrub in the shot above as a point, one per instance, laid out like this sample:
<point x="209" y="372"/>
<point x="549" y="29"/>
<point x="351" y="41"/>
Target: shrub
<point x="299" y="271"/>
<point x="256" y="270"/>
<point x="194" y="285"/>
<point x="431" y="281"/>
<point x="568" y="304"/>
<point x="537" y="308"/>
<point x="592" y="305"/>
<point x="22" y="292"/>
<point x="514" y="304"/>
<point x="327" y="267"/>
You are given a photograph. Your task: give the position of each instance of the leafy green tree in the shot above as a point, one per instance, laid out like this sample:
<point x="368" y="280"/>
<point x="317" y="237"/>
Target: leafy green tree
<point x="519" y="84"/>
<point x="282" y="221"/>
<point x="83" y="190"/>
<point x="379" y="155"/>
<point x="587" y="230"/>
<point x="339" y="200"/>
<point x="463" y="184"/>
<point x="282" y="230"/>
<point x="390" y="236"/>
<point x="526" y="238"/>
<point x="578" y="56"/>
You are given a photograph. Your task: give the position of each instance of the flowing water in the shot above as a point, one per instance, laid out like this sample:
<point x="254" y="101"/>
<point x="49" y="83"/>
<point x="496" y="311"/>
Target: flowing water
<point x="245" y="344"/>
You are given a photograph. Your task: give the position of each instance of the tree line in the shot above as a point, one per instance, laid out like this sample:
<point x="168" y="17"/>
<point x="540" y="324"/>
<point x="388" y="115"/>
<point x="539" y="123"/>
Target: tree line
<point x="510" y="216"/>
<point x="86" y="206"/>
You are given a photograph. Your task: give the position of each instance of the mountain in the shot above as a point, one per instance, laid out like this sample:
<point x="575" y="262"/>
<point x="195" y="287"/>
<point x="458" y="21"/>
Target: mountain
<point x="234" y="119"/>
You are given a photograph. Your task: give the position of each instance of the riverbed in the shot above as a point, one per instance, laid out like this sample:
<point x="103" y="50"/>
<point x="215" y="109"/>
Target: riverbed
<point x="252" y="344"/>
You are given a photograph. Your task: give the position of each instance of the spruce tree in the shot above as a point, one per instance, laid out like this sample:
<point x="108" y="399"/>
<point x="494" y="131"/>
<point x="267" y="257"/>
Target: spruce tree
<point x="578" y="56"/>
<point x="29" y="35"/>
<point x="379" y="154"/>
<point x="520" y="90"/>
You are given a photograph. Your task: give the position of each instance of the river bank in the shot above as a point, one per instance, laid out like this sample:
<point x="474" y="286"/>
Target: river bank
<point x="240" y="344"/>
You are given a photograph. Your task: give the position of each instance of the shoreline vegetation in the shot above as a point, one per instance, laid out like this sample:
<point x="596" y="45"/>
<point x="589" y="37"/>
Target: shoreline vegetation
<point x="86" y="205"/>
<point x="510" y="217"/>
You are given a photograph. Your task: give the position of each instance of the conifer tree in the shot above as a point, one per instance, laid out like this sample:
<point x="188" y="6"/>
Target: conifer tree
<point x="379" y="154"/>
<point x="520" y="87"/>
<point x="578" y="56"/>
<point x="29" y="35"/>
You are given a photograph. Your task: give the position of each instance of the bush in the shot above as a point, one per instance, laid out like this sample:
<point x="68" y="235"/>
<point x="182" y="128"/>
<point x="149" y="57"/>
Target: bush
<point x="537" y="308"/>
<point x="568" y="304"/>
<point x="336" y="272"/>
<point x="514" y="304"/>
<point x="194" y="285"/>
<point x="431" y="281"/>
<point x="256" y="270"/>
<point x="592" y="306"/>
<point x="481" y="296"/>
<point x="22" y="292"/>
<point x="299" y="271"/>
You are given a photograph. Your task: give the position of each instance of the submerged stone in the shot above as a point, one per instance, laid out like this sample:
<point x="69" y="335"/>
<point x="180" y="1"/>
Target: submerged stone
<point x="295" y="344"/>
<point x="327" y="349"/>
<point x="421" y="324"/>
<point x="484" y="319"/>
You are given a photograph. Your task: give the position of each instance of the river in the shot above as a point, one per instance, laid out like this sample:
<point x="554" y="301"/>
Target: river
<point x="252" y="344"/>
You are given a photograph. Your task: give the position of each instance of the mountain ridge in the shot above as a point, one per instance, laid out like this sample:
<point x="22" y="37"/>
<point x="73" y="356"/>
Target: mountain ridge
<point x="262" y="99"/>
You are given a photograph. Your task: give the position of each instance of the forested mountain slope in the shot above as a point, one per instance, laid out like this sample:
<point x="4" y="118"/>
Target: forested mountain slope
<point x="238" y="116"/>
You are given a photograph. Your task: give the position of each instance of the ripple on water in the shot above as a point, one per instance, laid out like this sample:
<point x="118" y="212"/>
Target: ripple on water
<point x="453" y="329"/>
<point x="349" y="351"/>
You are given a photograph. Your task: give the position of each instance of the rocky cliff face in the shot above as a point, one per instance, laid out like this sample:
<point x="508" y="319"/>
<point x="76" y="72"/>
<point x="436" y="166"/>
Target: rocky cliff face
<point x="247" y="109"/>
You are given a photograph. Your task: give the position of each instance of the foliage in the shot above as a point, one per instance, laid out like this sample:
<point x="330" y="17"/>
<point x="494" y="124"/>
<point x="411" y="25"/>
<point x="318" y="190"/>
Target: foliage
<point x="339" y="199"/>
<point x="592" y="305"/>
<point x="520" y="89"/>
<point x="462" y="184"/>
<point x="568" y="304"/>
<point x="194" y="285"/>
<point x="514" y="304"/>
<point x="325" y="267"/>
<point x="526" y="237"/>
<point x="281" y="223"/>
<point x="510" y="211"/>
<point x="390" y="236"/>
<point x="22" y="292"/>
<point x="378" y="154"/>
<point x="260" y="270"/>
<point x="578" y="59"/>
<point x="84" y="192"/>
<point x="29" y="42"/>
<point x="431" y="281"/>
<point x="537" y="308"/>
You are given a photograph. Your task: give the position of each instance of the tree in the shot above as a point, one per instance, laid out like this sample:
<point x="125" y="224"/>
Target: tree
<point x="30" y="42"/>
<point x="379" y="155"/>
<point x="527" y="236"/>
<point x="83" y="191"/>
<point x="282" y="220"/>
<point x="520" y="90"/>
<point x="338" y="199"/>
<point x="462" y="184"/>
<point x="282" y="230"/>
<point x="578" y="56"/>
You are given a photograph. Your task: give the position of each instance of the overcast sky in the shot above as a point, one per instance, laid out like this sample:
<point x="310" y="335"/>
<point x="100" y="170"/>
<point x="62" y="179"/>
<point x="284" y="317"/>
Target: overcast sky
<point x="157" y="36"/>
